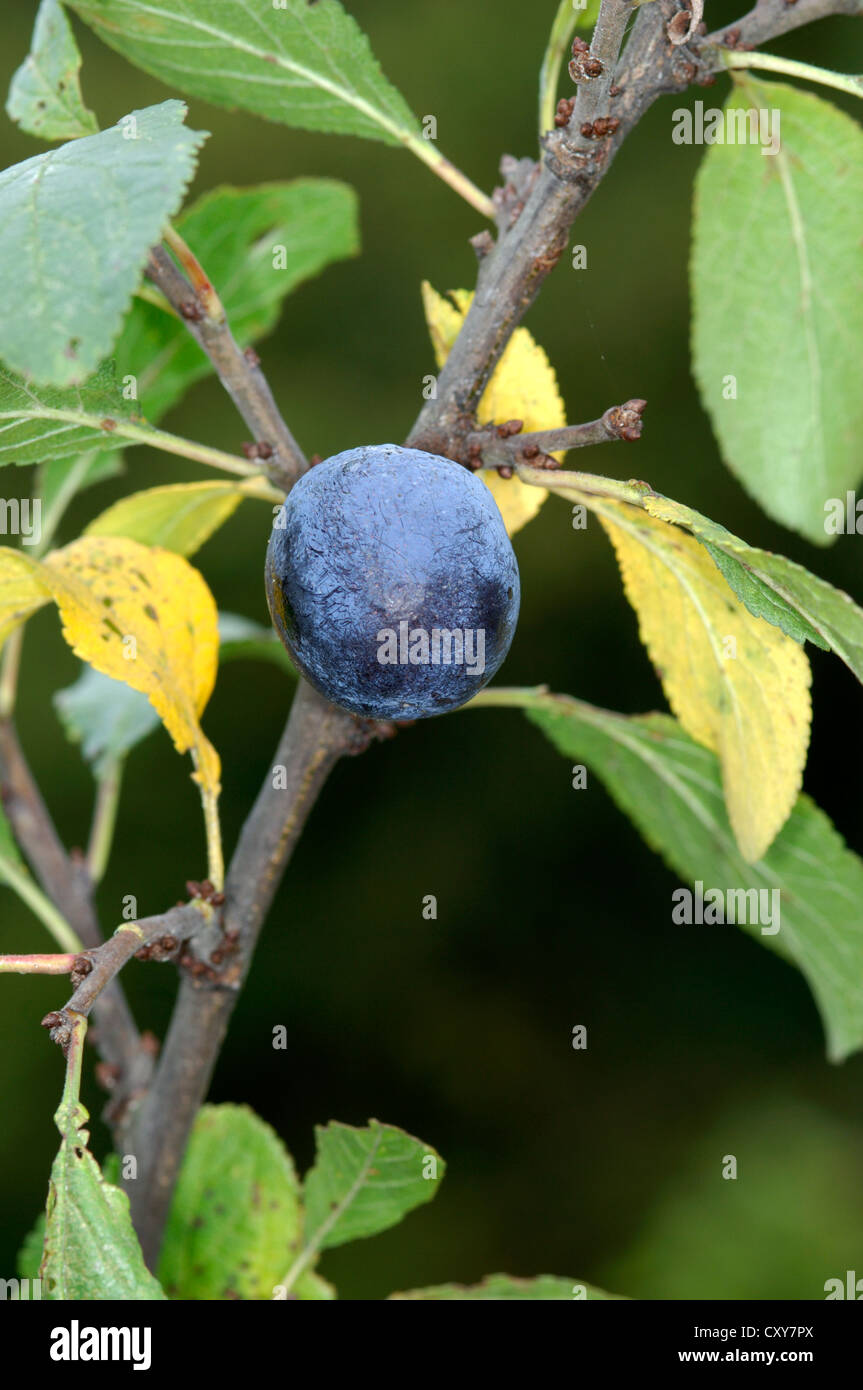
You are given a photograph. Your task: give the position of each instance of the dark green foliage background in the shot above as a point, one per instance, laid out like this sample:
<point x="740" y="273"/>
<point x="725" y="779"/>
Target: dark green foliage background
<point x="604" y="1165"/>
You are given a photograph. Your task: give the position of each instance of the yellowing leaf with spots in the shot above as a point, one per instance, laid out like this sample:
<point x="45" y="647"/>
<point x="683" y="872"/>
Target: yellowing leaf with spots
<point x="737" y="684"/>
<point x="179" y="517"/>
<point x="523" y="387"/>
<point x="146" y="617"/>
<point x="22" y="590"/>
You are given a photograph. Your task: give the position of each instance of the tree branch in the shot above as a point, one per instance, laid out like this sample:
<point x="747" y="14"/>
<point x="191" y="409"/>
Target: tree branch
<point x="239" y="372"/>
<point x="575" y="160"/>
<point x="93" y="971"/>
<point x="496" y="446"/>
<point x="67" y="884"/>
<point x="315" y="737"/>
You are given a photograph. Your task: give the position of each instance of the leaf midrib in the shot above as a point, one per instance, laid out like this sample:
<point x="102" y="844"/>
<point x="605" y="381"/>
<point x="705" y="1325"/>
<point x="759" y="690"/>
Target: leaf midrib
<point x="345" y="93"/>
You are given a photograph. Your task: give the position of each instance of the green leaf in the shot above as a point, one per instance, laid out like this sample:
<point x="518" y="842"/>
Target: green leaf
<point x="737" y="684"/>
<point x="831" y="615"/>
<point x="179" y="516"/>
<point x="311" y="1288"/>
<point x="364" y="1181"/>
<point x="760" y="599"/>
<point x="670" y="787"/>
<point x="777" y="266"/>
<point x="76" y="225"/>
<point x="307" y="65"/>
<point x="107" y="717"/>
<point x="30" y="431"/>
<point x="45" y="96"/>
<point x="235" y="1222"/>
<point x="30" y="1254"/>
<point x="496" y="1286"/>
<point x="91" y="1250"/>
<point x="256" y="245"/>
<point x="243" y="640"/>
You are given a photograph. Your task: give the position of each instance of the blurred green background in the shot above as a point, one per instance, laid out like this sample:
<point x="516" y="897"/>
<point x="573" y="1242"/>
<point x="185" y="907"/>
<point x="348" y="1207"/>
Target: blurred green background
<point x="605" y="1164"/>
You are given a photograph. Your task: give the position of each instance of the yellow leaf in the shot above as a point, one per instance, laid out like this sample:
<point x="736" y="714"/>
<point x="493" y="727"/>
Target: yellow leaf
<point x="178" y="517"/>
<point x="146" y="617"/>
<point x="737" y="684"/>
<point x="523" y="387"/>
<point x="21" y="589"/>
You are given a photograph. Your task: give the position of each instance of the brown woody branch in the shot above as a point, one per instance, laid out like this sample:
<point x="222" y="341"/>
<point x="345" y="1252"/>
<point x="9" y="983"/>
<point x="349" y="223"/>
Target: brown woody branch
<point x="94" y="970"/>
<point x="504" y="446"/>
<point x="546" y="198"/>
<point x="315" y="737"/>
<point x="239" y="371"/>
<point x="67" y="884"/>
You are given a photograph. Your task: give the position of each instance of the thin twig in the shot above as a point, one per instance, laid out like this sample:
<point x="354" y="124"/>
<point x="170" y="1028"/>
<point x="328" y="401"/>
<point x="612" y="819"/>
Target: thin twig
<point x="205" y="291"/>
<point x="495" y="446"/>
<point x="66" y="882"/>
<point x="94" y="970"/>
<point x="239" y="372"/>
<point x="58" y="964"/>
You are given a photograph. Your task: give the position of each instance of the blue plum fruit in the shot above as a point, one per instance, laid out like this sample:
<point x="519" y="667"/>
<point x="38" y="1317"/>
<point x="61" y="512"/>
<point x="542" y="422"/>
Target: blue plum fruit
<point x="392" y="582"/>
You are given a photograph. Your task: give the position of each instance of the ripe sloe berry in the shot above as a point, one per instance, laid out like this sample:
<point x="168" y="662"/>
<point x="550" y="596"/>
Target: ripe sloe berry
<point x="392" y="582"/>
